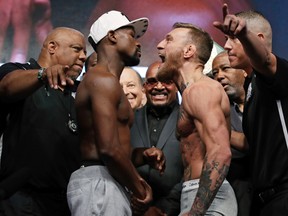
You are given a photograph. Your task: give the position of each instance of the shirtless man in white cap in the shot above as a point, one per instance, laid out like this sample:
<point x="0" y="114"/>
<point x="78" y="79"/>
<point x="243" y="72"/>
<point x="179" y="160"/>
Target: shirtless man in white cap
<point x="107" y="178"/>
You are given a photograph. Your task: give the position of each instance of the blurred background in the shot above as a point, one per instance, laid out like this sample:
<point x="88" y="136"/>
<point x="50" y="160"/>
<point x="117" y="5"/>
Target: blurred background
<point x="25" y="23"/>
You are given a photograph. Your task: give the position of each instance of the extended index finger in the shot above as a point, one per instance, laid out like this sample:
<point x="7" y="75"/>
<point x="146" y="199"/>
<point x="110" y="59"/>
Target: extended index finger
<point x="225" y="11"/>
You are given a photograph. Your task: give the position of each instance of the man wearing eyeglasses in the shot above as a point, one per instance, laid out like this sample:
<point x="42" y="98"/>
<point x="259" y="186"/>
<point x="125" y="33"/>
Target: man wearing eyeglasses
<point x="154" y="125"/>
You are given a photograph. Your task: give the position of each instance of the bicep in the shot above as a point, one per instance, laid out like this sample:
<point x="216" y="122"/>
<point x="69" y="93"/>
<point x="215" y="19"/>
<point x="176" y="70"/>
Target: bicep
<point x="214" y="129"/>
<point x="210" y="119"/>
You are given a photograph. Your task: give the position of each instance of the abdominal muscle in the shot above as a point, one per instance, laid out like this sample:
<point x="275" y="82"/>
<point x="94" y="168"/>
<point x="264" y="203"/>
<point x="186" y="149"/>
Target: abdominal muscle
<point x="89" y="149"/>
<point x="91" y="142"/>
<point x="193" y="151"/>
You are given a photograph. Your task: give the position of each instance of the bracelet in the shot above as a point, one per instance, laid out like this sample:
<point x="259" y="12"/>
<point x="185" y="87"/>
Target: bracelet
<point x="40" y="74"/>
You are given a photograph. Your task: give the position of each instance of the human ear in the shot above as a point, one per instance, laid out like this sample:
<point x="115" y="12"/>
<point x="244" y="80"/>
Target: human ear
<point x="52" y="45"/>
<point x="261" y="36"/>
<point x="189" y="50"/>
<point x="111" y="36"/>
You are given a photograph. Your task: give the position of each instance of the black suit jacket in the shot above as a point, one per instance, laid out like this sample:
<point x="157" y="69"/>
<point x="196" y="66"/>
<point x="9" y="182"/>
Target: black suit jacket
<point x="161" y="185"/>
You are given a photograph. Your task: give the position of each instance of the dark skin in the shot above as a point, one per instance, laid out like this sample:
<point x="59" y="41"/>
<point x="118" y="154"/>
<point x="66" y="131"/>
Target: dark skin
<point x="63" y="55"/>
<point x="158" y="103"/>
<point x="105" y="117"/>
<point x="232" y="80"/>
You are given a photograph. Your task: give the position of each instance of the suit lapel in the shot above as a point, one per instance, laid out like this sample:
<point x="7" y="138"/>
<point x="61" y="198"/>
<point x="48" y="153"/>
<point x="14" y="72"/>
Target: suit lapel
<point x="169" y="128"/>
<point x="142" y="126"/>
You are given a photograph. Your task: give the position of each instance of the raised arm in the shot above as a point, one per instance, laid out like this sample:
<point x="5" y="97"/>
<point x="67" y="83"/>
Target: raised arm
<point x="254" y="43"/>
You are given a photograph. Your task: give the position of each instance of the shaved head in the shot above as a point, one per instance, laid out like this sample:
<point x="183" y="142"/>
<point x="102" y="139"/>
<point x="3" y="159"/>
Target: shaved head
<point x="61" y="33"/>
<point x="258" y="24"/>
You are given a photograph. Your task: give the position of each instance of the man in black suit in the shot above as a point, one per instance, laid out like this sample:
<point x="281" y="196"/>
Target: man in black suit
<point x="154" y="125"/>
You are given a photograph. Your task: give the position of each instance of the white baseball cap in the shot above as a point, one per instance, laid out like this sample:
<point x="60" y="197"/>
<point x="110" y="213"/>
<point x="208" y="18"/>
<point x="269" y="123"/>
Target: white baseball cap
<point x="114" y="20"/>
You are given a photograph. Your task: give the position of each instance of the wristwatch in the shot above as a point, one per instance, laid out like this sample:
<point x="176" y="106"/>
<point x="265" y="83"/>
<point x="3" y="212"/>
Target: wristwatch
<point x="40" y="74"/>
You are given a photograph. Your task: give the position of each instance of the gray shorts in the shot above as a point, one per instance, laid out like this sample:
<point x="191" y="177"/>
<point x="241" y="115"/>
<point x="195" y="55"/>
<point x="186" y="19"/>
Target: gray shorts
<point x="224" y="202"/>
<point x="93" y="191"/>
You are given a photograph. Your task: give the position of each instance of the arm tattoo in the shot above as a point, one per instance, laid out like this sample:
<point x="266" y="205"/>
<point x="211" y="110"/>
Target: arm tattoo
<point x="205" y="193"/>
<point x="188" y="172"/>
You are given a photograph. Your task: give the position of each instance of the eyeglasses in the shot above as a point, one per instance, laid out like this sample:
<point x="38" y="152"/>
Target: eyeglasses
<point x="151" y="82"/>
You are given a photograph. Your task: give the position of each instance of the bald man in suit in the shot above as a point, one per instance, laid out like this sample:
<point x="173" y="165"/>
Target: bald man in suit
<point x="154" y="125"/>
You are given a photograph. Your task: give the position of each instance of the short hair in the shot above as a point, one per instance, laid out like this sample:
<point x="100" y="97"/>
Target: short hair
<point x="200" y="38"/>
<point x="257" y="23"/>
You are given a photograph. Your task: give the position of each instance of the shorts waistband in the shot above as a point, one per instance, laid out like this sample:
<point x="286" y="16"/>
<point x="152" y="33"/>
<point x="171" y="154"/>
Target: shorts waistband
<point x="86" y="163"/>
<point x="194" y="183"/>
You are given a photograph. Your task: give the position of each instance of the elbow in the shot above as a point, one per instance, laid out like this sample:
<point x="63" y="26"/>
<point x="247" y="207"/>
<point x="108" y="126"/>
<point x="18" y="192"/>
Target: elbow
<point x="225" y="156"/>
<point x="221" y="155"/>
<point x="246" y="145"/>
<point x="5" y="96"/>
<point x="228" y="156"/>
<point x="5" y="91"/>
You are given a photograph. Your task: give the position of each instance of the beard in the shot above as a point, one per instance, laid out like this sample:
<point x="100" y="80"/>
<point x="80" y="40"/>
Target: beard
<point x="169" y="70"/>
<point x="132" y="60"/>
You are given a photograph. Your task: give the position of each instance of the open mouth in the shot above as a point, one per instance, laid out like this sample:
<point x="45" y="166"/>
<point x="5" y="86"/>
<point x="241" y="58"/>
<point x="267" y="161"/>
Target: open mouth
<point x="162" y="57"/>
